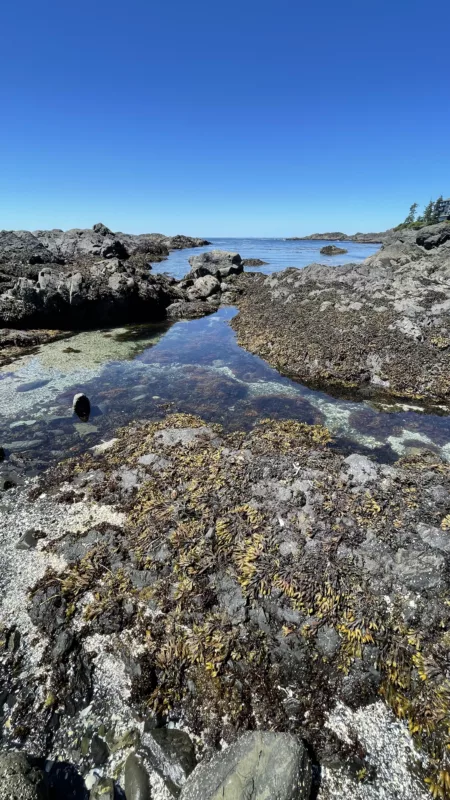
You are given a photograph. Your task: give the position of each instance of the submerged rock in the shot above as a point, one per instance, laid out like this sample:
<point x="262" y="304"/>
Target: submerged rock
<point x="259" y="765"/>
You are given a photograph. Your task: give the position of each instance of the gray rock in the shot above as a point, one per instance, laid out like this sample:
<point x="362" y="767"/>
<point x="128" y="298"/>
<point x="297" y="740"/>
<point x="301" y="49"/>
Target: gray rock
<point x="215" y="262"/>
<point x="327" y="641"/>
<point x="103" y="790"/>
<point x="19" y="780"/>
<point x="203" y="287"/>
<point x="360" y="469"/>
<point x="434" y="537"/>
<point x="259" y="766"/>
<point x="419" y="571"/>
<point x="99" y="751"/>
<point x="27" y="542"/>
<point x="171" y="753"/>
<point x="137" y="785"/>
<point x="230" y="597"/>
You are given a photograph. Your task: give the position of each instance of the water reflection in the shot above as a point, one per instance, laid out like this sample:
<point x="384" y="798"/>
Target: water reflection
<point x="196" y="367"/>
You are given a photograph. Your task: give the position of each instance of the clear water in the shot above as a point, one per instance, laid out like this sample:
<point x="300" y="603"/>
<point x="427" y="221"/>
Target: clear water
<point x="196" y="367"/>
<point x="279" y="254"/>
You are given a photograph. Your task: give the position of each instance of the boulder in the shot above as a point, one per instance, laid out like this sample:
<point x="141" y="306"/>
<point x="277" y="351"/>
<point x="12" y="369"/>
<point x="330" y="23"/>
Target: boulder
<point x="259" y="765"/>
<point x="203" y="287"/>
<point x="19" y="779"/>
<point x="215" y="262"/>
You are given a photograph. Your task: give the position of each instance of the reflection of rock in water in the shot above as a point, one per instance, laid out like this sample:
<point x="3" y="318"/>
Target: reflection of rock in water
<point x="82" y="406"/>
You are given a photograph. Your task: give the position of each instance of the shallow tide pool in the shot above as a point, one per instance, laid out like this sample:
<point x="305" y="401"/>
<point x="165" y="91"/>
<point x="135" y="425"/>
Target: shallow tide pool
<point x="194" y="366"/>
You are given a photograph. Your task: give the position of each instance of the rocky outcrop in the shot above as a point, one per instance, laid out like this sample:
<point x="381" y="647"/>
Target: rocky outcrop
<point x="108" y="292"/>
<point x="382" y="326"/>
<point x="332" y="250"/>
<point x="22" y="253"/>
<point x="218" y="263"/>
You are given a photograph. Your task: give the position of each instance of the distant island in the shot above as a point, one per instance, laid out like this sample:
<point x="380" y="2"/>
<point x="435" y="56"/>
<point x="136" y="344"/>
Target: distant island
<point x="338" y="236"/>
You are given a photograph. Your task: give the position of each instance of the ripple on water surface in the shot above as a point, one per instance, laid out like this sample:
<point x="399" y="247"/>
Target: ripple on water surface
<point x="196" y="367"/>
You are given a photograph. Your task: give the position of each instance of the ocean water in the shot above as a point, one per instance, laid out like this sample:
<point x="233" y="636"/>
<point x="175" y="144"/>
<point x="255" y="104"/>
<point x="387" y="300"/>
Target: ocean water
<point x="279" y="254"/>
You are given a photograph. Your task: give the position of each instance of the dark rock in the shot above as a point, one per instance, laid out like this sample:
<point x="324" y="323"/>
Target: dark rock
<point x="2" y="454"/>
<point x="19" y="780"/>
<point x="100" y="228"/>
<point x="137" y="785"/>
<point x="99" y="751"/>
<point x="332" y="250"/>
<point x="188" y="310"/>
<point x="327" y="641"/>
<point x="82" y="407"/>
<point x="259" y="764"/>
<point x="27" y="541"/>
<point x="171" y="753"/>
<point x="253" y="262"/>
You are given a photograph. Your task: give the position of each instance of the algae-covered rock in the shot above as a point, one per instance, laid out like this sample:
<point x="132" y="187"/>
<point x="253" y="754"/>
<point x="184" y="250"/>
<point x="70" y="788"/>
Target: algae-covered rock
<point x="260" y="766"/>
<point x="19" y="779"/>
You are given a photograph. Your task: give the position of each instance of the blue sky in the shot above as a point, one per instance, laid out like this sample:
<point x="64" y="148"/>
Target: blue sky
<point x="242" y="118"/>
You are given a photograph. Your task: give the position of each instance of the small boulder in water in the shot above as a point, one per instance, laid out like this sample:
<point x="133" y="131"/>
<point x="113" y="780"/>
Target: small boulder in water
<point x="82" y="406"/>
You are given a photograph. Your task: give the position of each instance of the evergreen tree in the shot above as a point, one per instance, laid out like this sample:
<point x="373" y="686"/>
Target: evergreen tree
<point x="436" y="209"/>
<point x="428" y="214"/>
<point x="412" y="214"/>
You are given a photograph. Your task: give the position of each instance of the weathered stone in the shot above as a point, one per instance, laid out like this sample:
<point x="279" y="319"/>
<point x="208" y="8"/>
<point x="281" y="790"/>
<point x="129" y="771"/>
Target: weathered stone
<point x="137" y="786"/>
<point x="171" y="753"/>
<point x="203" y="288"/>
<point x="99" y="750"/>
<point x="260" y="766"/>
<point x="19" y="780"/>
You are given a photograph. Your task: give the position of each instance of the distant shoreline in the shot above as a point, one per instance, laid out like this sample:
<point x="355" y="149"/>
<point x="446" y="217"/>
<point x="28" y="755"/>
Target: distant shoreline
<point x="362" y="238"/>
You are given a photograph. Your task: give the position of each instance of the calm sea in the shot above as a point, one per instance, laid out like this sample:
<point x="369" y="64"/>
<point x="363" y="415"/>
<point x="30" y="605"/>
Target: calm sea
<point x="279" y="254"/>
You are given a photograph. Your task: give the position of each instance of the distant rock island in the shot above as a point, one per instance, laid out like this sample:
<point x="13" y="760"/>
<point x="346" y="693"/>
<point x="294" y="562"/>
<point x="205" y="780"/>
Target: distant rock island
<point x="338" y="236"/>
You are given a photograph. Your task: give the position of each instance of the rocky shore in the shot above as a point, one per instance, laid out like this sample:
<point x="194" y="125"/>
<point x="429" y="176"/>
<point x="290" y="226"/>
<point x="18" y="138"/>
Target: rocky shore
<point x="190" y="613"/>
<point x="83" y="279"/>
<point x="178" y="587"/>
<point x="378" y="328"/>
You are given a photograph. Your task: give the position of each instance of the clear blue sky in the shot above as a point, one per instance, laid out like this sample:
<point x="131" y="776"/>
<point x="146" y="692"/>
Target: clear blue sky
<point x="215" y="119"/>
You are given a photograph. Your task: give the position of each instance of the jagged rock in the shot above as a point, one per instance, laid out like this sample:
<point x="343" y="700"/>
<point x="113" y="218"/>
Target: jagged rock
<point x="99" y="751"/>
<point x="203" y="288"/>
<point x="219" y="263"/>
<point x="259" y="765"/>
<point x="171" y="753"/>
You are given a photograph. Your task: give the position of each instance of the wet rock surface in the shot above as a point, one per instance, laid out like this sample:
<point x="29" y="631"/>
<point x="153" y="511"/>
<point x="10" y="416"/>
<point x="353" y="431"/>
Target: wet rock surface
<point x="379" y="327"/>
<point x="258" y="765"/>
<point x="229" y="583"/>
